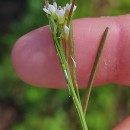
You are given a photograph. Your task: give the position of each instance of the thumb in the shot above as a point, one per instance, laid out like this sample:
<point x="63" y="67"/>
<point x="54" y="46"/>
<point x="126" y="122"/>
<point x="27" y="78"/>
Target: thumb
<point x="35" y="60"/>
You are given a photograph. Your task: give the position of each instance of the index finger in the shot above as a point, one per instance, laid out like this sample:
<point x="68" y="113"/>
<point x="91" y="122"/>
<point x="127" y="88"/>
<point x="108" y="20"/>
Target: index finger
<point x="35" y="60"/>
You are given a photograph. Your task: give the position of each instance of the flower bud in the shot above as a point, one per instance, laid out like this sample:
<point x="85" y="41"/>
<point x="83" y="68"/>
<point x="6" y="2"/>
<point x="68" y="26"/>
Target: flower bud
<point x="66" y="32"/>
<point x="68" y="8"/>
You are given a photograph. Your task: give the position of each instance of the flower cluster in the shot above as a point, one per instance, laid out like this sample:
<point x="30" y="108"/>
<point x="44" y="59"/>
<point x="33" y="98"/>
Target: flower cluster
<point x="60" y="15"/>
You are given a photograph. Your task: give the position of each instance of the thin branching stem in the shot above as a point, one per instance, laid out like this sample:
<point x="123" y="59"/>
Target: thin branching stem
<point x="46" y="3"/>
<point x="69" y="23"/>
<point x="72" y="62"/>
<point x="65" y="68"/>
<point x="53" y="1"/>
<point x="57" y="33"/>
<point x="66" y="49"/>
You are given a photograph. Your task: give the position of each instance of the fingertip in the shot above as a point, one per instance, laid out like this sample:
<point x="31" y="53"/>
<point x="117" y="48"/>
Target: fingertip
<point x="35" y="61"/>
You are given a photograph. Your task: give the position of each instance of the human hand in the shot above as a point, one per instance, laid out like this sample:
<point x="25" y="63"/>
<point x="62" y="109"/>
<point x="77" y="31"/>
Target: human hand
<point x="35" y="61"/>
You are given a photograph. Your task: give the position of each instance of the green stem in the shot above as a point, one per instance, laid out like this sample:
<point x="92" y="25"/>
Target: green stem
<point x="73" y="64"/>
<point x="66" y="49"/>
<point x="93" y="72"/>
<point x="66" y="71"/>
<point x="65" y="68"/>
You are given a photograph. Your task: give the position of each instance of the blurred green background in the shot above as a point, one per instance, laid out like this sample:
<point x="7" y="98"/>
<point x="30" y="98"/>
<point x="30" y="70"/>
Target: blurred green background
<point x="25" y="107"/>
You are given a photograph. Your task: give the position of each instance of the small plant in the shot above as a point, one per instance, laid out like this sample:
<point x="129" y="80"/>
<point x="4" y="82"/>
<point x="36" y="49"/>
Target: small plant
<point x="60" y="21"/>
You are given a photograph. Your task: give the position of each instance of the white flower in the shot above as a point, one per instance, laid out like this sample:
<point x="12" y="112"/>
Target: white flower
<point x="51" y="10"/>
<point x="68" y="7"/>
<point x="55" y="5"/>
<point x="66" y="32"/>
<point x="60" y="15"/>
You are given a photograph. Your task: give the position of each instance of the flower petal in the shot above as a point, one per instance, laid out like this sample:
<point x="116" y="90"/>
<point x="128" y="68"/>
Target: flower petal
<point x="75" y="7"/>
<point x="52" y="9"/>
<point x="46" y="10"/>
<point x="60" y="13"/>
<point x="68" y="7"/>
<point x="55" y="5"/>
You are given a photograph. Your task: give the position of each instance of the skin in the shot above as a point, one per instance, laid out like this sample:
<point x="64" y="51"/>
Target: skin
<point x="35" y="60"/>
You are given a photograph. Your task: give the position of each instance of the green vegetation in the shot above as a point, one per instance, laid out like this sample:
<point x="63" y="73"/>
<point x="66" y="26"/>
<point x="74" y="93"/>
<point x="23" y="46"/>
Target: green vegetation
<point x="49" y="109"/>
